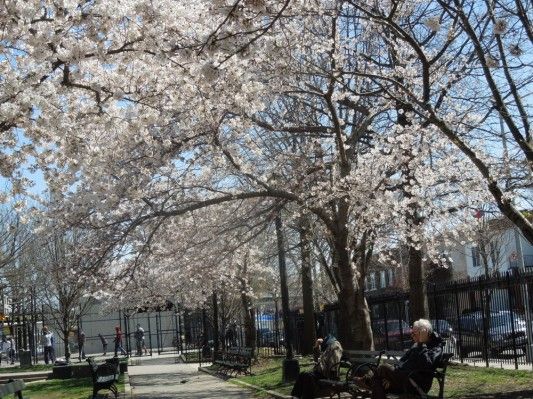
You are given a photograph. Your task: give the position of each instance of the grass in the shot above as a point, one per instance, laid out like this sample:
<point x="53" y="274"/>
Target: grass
<point x="73" y="388"/>
<point x="20" y="369"/>
<point x="461" y="381"/>
<point x="267" y="375"/>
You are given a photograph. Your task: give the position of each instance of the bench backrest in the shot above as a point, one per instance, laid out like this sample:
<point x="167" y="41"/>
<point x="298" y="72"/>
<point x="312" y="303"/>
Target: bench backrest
<point x="109" y="368"/>
<point x="361" y="357"/>
<point x="11" y="387"/>
<point x="244" y="352"/>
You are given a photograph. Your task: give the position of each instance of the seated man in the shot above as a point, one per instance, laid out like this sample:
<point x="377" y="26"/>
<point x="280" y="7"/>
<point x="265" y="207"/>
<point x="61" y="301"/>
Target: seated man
<point x="424" y="353"/>
<point x="306" y="385"/>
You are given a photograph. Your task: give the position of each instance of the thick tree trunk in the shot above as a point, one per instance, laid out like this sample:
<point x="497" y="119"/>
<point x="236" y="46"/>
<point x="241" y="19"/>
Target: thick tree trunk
<point x="66" y="345"/>
<point x="354" y="316"/>
<point x="418" y="300"/>
<point x="309" y="335"/>
<point x="249" y="321"/>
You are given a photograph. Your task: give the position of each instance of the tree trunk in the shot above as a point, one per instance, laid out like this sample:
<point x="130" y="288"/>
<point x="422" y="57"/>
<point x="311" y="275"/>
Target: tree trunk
<point x="354" y="316"/>
<point x="418" y="300"/>
<point x="249" y="324"/>
<point x="66" y="345"/>
<point x="309" y="334"/>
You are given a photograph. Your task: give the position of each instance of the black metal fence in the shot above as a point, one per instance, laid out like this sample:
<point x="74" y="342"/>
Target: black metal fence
<point x="482" y="319"/>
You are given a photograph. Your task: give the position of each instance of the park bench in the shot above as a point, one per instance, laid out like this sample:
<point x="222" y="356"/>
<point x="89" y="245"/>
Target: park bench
<point x="12" y="387"/>
<point x="104" y="375"/>
<point x="351" y="360"/>
<point x="235" y="359"/>
<point x="360" y="362"/>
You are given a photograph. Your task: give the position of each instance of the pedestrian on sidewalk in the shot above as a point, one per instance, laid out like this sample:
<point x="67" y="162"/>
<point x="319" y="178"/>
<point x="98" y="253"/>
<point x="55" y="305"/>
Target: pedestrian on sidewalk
<point x="11" y="349"/>
<point x="47" y="341"/>
<point x="104" y="343"/>
<point x="81" y="344"/>
<point x="139" y="340"/>
<point x="3" y="348"/>
<point x="118" y="342"/>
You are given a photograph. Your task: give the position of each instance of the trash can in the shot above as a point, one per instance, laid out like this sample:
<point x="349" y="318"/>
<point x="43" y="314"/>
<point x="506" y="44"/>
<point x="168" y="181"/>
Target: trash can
<point x="25" y="358"/>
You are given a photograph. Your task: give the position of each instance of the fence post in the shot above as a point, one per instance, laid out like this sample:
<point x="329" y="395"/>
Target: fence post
<point x="127" y="332"/>
<point x="460" y="343"/>
<point x="485" y="351"/>
<point x="401" y="311"/>
<point x="149" y="332"/>
<point x="385" y="325"/>
<point x="509" y="296"/>
<point x="157" y="316"/>
<point x="215" y="326"/>
<point x="437" y="318"/>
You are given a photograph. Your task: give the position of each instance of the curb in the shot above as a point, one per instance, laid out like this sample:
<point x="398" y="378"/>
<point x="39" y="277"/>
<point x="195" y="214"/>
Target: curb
<point x="128" y="393"/>
<point x="273" y="394"/>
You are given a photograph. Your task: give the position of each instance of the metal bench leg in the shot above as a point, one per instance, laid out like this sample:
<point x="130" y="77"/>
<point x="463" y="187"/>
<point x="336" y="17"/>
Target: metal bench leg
<point x="113" y="388"/>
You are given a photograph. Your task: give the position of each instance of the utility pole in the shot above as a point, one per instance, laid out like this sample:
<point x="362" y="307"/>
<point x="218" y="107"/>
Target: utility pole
<point x="291" y="367"/>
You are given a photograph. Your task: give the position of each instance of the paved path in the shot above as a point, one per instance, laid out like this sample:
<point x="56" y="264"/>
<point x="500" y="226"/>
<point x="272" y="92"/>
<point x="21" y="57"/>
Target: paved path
<point x="161" y="378"/>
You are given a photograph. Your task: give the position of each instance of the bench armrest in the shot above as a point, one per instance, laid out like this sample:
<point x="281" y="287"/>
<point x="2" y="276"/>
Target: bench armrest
<point x="411" y="383"/>
<point x="359" y="370"/>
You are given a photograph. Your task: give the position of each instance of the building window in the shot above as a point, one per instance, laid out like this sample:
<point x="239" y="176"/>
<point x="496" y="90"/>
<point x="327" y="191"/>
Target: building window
<point x="390" y="274"/>
<point x="476" y="261"/>
<point x="371" y="282"/>
<point x="382" y="279"/>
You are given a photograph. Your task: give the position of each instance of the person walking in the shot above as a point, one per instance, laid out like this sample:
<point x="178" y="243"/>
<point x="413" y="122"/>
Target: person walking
<point x="47" y="341"/>
<point x="10" y="349"/>
<point x="139" y="340"/>
<point x="81" y="345"/>
<point x="118" y="342"/>
<point x="104" y="343"/>
<point x="3" y="348"/>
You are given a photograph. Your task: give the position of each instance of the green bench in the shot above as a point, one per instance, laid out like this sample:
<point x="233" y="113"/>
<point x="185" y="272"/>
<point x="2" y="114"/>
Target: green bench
<point x="235" y="359"/>
<point x="105" y="376"/>
<point x="351" y="361"/>
<point x="358" y="363"/>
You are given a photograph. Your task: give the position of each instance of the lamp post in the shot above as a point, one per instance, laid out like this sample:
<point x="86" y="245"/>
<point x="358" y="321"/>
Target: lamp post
<point x="290" y="367"/>
<point x="215" y="326"/>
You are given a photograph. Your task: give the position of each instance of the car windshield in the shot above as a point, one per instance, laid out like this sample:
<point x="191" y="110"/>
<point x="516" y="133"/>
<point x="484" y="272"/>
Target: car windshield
<point x="503" y="320"/>
<point x="440" y="324"/>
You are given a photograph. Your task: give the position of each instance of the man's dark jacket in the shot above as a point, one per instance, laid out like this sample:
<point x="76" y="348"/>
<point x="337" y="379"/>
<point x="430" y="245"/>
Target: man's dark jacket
<point x="423" y="358"/>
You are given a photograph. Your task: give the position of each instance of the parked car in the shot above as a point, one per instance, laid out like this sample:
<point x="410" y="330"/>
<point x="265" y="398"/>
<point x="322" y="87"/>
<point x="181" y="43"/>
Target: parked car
<point x="267" y="337"/>
<point x="443" y="327"/>
<point x="445" y="330"/>
<point x="396" y="333"/>
<point x="505" y="331"/>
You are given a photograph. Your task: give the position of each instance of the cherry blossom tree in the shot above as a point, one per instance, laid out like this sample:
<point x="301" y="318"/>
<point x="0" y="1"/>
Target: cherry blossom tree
<point x="144" y="116"/>
<point x="460" y="66"/>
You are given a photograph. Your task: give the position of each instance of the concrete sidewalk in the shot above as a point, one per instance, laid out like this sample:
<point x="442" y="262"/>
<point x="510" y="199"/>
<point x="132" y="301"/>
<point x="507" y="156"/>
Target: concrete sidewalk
<point x="161" y="378"/>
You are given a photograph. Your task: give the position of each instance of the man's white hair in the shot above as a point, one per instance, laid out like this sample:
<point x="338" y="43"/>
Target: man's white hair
<point x="423" y="325"/>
